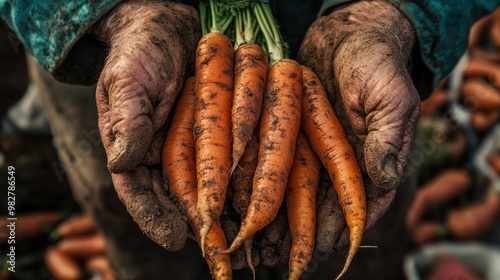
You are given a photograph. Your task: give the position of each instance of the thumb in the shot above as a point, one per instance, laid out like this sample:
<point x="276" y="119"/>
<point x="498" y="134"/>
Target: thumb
<point x="391" y="128"/>
<point x="125" y="124"/>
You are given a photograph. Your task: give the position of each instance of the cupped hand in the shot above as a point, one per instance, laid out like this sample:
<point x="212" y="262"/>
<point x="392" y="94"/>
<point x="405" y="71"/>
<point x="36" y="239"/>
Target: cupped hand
<point x="151" y="50"/>
<point x="361" y="52"/>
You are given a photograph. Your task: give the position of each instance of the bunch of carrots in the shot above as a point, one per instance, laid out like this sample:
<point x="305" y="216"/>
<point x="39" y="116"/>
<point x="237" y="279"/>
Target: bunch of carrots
<point x="259" y="123"/>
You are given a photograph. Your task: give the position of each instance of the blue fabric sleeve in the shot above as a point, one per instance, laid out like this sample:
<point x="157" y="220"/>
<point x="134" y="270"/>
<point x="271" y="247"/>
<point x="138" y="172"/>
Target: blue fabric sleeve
<point x="49" y="29"/>
<point x="442" y="28"/>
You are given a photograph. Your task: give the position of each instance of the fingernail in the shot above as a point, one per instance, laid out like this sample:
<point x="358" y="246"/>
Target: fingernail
<point x="390" y="168"/>
<point x="117" y="162"/>
<point x="390" y="177"/>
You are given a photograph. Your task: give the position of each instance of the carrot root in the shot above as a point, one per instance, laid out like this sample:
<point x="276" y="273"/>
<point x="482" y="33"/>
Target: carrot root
<point x="279" y="127"/>
<point x="328" y="139"/>
<point x="212" y="129"/>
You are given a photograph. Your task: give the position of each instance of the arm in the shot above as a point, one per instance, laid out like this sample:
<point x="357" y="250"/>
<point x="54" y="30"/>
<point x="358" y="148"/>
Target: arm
<point x="148" y="48"/>
<point x="49" y="30"/>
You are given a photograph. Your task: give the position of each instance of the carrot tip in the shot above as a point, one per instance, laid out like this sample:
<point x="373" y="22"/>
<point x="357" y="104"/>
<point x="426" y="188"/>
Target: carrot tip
<point x="248" y="253"/>
<point x="235" y="245"/>
<point x="355" y="244"/>
<point x="203" y="236"/>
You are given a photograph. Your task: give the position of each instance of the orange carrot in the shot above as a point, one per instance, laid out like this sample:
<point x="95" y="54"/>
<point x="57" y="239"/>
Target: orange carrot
<point x="279" y="127"/>
<point x="178" y="164"/>
<point x="329" y="141"/>
<point x="83" y="246"/>
<point x="250" y="70"/>
<point x="242" y="188"/>
<point x="79" y="225"/>
<point x="212" y="129"/>
<point x="301" y="205"/>
<point x="62" y="266"/>
<point x="478" y="94"/>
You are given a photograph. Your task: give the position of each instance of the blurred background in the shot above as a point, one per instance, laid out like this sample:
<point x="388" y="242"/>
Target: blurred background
<point x="54" y="240"/>
<point x="453" y="222"/>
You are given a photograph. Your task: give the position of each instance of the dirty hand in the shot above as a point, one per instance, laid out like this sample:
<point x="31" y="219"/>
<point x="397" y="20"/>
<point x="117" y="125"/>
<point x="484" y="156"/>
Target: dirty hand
<point x="151" y="47"/>
<point x="361" y="51"/>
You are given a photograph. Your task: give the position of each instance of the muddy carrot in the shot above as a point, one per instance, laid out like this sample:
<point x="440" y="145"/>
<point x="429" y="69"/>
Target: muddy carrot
<point x="279" y="127"/>
<point x="250" y="73"/>
<point x="61" y="265"/>
<point x="212" y="128"/>
<point x="178" y="164"/>
<point x="301" y="205"/>
<point x="242" y="179"/>
<point x="328" y="139"/>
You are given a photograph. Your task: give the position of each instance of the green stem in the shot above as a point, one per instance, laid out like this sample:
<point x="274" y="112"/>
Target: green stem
<point x="239" y="31"/>
<point x="272" y="23"/>
<point x="225" y="24"/>
<point x="248" y="26"/>
<point x="261" y="21"/>
<point x="221" y="18"/>
<point x="270" y="31"/>
<point x="244" y="25"/>
<point x="203" y="18"/>
<point x="214" y="13"/>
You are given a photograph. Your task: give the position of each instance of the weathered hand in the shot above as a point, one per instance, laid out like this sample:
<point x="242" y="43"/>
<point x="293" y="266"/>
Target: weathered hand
<point x="360" y="51"/>
<point x="151" y="48"/>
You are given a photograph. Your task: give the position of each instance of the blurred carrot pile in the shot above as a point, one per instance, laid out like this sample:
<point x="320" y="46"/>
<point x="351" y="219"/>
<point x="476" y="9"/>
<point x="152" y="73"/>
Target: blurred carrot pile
<point x="457" y="199"/>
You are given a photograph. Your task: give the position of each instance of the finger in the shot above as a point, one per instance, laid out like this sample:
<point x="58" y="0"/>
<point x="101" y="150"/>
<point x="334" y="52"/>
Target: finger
<point x="376" y="208"/>
<point x="408" y="140"/>
<point x="285" y="247"/>
<point x="155" y="214"/>
<point x="79" y="225"/>
<point x="83" y="247"/>
<point x="153" y="154"/>
<point x="125" y="122"/>
<point x="391" y="126"/>
<point x="330" y="222"/>
<point x="104" y="124"/>
<point x="325" y="183"/>
<point x="273" y="234"/>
